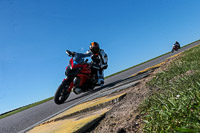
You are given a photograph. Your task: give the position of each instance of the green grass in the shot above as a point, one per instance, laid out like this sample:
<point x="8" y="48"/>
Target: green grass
<point x="175" y="104"/>
<point x="23" y="108"/>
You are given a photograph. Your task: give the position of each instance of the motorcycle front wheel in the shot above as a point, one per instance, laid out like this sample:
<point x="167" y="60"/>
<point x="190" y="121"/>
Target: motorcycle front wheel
<point x="61" y="94"/>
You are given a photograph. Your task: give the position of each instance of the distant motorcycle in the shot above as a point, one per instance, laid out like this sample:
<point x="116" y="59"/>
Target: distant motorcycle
<point x="175" y="48"/>
<point x="79" y="78"/>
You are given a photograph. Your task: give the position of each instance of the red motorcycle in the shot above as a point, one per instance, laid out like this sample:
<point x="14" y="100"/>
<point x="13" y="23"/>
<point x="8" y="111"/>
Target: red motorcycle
<point x="79" y="78"/>
<point x="175" y="48"/>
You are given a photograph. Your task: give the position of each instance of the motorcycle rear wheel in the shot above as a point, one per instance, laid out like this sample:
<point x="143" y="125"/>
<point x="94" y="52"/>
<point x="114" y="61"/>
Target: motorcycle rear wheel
<point x="61" y="94"/>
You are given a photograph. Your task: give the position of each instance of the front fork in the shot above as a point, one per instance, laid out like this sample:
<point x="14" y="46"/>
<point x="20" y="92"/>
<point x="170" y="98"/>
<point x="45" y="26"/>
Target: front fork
<point x="71" y="85"/>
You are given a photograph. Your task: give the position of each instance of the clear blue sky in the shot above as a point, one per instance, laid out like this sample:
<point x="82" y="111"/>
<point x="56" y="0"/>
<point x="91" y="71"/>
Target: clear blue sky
<point x="34" y="35"/>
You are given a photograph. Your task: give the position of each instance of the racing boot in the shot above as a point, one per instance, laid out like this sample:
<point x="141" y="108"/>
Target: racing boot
<point x="100" y="78"/>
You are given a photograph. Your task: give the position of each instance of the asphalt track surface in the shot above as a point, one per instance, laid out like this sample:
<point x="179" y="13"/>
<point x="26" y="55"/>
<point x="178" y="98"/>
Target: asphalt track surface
<point x="26" y="119"/>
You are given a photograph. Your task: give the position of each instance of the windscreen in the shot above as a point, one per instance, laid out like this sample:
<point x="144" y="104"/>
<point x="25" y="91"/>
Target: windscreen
<point x="78" y="58"/>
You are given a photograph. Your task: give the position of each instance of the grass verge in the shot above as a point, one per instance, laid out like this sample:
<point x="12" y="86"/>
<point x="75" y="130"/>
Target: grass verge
<point x="175" y="107"/>
<point x="23" y="108"/>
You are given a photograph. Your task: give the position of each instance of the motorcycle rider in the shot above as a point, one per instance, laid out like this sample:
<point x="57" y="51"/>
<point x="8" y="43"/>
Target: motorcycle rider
<point x="177" y="44"/>
<point x="99" y="61"/>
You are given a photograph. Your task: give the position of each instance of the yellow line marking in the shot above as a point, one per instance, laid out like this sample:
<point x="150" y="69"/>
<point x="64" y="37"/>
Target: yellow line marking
<point x="86" y="105"/>
<point x="61" y="124"/>
<point x="157" y="65"/>
<point x="68" y="125"/>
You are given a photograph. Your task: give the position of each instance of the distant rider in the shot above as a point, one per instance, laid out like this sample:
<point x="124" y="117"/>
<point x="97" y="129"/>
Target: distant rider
<point x="177" y="44"/>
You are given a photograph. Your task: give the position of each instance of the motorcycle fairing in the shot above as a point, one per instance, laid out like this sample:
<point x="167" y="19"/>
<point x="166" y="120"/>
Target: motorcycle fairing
<point x="83" y="79"/>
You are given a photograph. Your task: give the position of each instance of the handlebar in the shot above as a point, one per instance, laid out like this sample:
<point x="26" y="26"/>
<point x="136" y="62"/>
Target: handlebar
<point x="69" y="53"/>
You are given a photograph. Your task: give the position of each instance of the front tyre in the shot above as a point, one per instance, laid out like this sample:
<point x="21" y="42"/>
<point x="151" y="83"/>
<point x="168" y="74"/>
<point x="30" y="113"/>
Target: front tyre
<point x="172" y="50"/>
<point x="61" y="94"/>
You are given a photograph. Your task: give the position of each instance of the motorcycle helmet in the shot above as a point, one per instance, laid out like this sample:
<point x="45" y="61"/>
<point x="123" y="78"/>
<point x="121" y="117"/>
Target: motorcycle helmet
<point x="94" y="47"/>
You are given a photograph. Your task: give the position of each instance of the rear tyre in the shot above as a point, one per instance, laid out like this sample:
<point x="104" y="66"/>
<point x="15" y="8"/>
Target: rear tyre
<point x="61" y="94"/>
